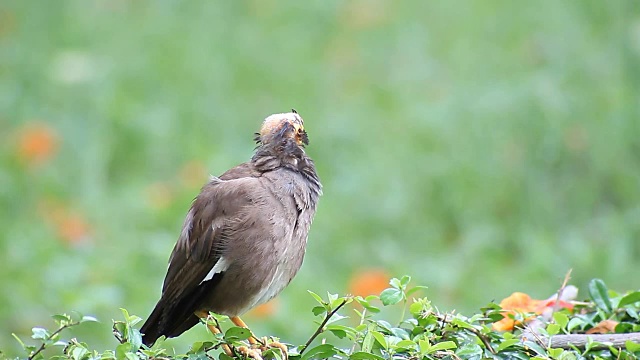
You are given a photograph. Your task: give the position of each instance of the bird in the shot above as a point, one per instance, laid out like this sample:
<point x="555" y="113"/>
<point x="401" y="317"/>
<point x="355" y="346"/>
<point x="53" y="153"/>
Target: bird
<point x="244" y="237"/>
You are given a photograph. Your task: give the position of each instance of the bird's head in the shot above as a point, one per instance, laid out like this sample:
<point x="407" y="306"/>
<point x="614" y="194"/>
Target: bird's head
<point x="279" y="127"/>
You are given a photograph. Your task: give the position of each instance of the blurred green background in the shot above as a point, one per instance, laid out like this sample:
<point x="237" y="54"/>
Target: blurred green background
<point x="483" y="147"/>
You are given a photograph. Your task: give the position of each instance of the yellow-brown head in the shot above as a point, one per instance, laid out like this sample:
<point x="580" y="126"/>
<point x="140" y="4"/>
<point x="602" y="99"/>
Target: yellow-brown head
<point x="278" y="127"/>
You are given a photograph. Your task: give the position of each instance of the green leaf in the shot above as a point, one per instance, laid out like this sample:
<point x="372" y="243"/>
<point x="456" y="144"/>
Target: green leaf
<point x="555" y="353"/>
<point x="416" y="308"/>
<point x="317" y="310"/>
<point x="79" y="352"/>
<point x="371" y="298"/>
<point x="39" y="333"/>
<point x="122" y="350"/>
<point x="362" y="355"/>
<point x="135" y="338"/>
<point x="237" y="334"/>
<point x="274" y="353"/>
<point x="631" y="346"/>
<point x="599" y="294"/>
<point x="62" y="319"/>
<point x="425" y="346"/>
<point x="406" y="344"/>
<point x="331" y="297"/>
<point x="553" y="329"/>
<point x="380" y="339"/>
<point x="416" y="288"/>
<point x="340" y="334"/>
<point x="224" y="356"/>
<point x="443" y="345"/>
<point x="470" y="350"/>
<point x="575" y="322"/>
<point x="88" y="319"/>
<point x="405" y="280"/>
<point x="395" y="283"/>
<point x="367" y="342"/>
<point x="624" y="327"/>
<point x="629" y="299"/>
<point x="561" y="319"/>
<point x="365" y="303"/>
<point x="390" y="296"/>
<point x="400" y="333"/>
<point x="506" y="344"/>
<point x="317" y="298"/>
<point x="125" y="314"/>
<point x="320" y="352"/>
<point x="339" y="301"/>
<point x="336" y="317"/>
<point x="535" y="347"/>
<point x="346" y="329"/>
<point x="457" y="321"/>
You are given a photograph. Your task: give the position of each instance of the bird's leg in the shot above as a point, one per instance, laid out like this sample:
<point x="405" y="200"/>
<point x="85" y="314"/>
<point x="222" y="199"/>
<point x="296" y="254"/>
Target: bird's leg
<point x="215" y="330"/>
<point x="238" y="322"/>
<point x="262" y="344"/>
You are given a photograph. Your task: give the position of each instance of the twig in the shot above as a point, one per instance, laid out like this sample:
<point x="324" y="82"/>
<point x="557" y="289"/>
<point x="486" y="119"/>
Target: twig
<point x="321" y="327"/>
<point x="49" y="338"/>
<point x="478" y="334"/>
<point x="567" y="277"/>
<point x="482" y="338"/>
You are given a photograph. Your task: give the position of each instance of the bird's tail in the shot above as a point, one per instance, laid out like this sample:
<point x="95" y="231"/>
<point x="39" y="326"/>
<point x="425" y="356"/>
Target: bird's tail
<point x="152" y="330"/>
<point x="172" y="318"/>
<point x="167" y="321"/>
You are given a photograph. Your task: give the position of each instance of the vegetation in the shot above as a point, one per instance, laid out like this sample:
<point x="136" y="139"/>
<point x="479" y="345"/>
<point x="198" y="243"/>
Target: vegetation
<point x="484" y="147"/>
<point x="423" y="333"/>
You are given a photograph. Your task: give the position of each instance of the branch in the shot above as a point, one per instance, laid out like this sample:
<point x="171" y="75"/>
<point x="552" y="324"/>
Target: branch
<point x="580" y="340"/>
<point x="49" y="338"/>
<point x="478" y="334"/>
<point x="321" y="327"/>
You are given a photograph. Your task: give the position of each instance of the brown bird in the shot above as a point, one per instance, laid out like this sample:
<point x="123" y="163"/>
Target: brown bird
<point x="244" y="238"/>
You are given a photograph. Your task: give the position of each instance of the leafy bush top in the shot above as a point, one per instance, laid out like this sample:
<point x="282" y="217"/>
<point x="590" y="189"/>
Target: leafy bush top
<point x="570" y="332"/>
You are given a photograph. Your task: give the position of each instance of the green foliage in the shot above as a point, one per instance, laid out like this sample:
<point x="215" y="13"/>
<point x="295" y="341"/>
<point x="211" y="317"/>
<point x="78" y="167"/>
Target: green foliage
<point x="482" y="146"/>
<point x="425" y="334"/>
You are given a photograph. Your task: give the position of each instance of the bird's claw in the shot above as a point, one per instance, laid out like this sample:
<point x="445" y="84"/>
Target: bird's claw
<point x="264" y="345"/>
<point x="248" y="352"/>
<point x="278" y="345"/>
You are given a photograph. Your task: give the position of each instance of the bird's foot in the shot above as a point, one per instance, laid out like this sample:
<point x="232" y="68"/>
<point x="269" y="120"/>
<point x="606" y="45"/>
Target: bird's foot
<point x="265" y="345"/>
<point x="283" y="348"/>
<point x="249" y="353"/>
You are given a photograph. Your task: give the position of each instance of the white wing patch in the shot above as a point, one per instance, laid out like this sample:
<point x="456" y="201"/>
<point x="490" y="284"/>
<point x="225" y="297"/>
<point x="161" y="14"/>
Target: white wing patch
<point x="219" y="267"/>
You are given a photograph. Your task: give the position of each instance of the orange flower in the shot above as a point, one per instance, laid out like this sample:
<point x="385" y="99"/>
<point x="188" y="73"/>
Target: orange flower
<point x="521" y="303"/>
<point x="516" y="303"/>
<point x="73" y="228"/>
<point x="37" y="143"/>
<point x="266" y="309"/>
<point x="368" y="282"/>
<point x="70" y="225"/>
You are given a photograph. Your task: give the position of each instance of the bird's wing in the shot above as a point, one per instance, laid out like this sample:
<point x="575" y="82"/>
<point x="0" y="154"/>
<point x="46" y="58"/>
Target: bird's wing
<point x="199" y="248"/>
<point x="202" y="238"/>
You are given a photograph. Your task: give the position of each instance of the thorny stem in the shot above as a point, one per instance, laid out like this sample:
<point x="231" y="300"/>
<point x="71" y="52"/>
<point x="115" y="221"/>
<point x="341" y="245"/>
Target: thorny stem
<point x="321" y="327"/>
<point x="44" y="342"/>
